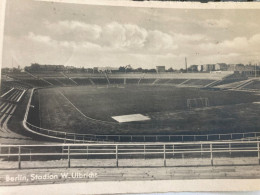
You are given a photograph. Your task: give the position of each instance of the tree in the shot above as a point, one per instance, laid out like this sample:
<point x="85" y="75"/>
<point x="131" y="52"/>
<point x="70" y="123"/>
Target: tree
<point x="170" y="70"/>
<point x="121" y="69"/>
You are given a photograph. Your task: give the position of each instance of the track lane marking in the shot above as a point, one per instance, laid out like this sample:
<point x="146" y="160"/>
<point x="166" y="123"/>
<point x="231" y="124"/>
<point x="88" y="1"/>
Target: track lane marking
<point x="84" y="114"/>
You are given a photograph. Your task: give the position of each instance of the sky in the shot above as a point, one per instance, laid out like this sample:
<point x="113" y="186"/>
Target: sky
<point x="97" y="36"/>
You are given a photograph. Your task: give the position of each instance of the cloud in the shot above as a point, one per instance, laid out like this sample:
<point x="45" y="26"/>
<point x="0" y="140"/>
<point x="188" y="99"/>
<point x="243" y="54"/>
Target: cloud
<point x="184" y="38"/>
<point x="115" y="44"/>
<point x="158" y="41"/>
<point x="237" y="44"/>
<point x="55" y="43"/>
<point x="123" y="36"/>
<point x="40" y="38"/>
<point x="255" y="40"/>
<point x="112" y="35"/>
<point x="74" y="30"/>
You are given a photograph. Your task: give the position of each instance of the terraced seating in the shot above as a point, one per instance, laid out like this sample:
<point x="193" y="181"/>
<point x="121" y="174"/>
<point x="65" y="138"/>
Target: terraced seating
<point x="66" y="81"/>
<point x="20" y="76"/>
<point x="116" y="81"/>
<point x="46" y="74"/>
<point x="54" y="82"/>
<point x="146" y="81"/>
<point x="132" y="81"/>
<point x="5" y="110"/>
<point x="162" y="81"/>
<point x="82" y="81"/>
<point x="100" y="81"/>
<point x="227" y="81"/>
<point x="16" y="84"/>
<point x="254" y="85"/>
<point x="77" y="75"/>
<point x="36" y="83"/>
<point x="13" y="95"/>
<point x="4" y="89"/>
<point x="199" y="82"/>
<point x="176" y="81"/>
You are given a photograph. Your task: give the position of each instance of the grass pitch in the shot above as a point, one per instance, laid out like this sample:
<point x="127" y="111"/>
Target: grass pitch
<point x="89" y="110"/>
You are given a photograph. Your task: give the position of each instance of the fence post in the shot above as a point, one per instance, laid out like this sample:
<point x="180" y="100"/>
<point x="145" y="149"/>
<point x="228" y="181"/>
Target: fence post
<point x="258" y="153"/>
<point x="74" y="138"/>
<point x="87" y="152"/>
<point x="68" y="156"/>
<point x="201" y="148"/>
<point x="231" y="136"/>
<point x="30" y="155"/>
<point x="9" y="151"/>
<point x="207" y="137"/>
<point x="211" y="155"/>
<point x="19" y="157"/>
<point x="229" y="145"/>
<point x="65" y="138"/>
<point x="164" y="155"/>
<point x="144" y="151"/>
<point x="173" y="150"/>
<point x="181" y="138"/>
<point x="116" y="155"/>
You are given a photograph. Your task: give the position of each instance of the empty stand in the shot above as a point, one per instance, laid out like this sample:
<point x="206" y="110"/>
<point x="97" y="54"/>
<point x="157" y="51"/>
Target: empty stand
<point x="65" y="81"/>
<point x="198" y="82"/>
<point x="100" y="81"/>
<point x="255" y="85"/>
<point x="146" y="81"/>
<point x="82" y="81"/>
<point x="162" y="81"/>
<point x="132" y="81"/>
<point x="36" y="83"/>
<point x="116" y="81"/>
<point x="176" y="81"/>
<point x="54" y="81"/>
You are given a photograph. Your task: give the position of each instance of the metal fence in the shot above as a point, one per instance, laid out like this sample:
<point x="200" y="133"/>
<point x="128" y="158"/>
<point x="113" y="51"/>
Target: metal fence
<point x="84" y="138"/>
<point x="163" y="151"/>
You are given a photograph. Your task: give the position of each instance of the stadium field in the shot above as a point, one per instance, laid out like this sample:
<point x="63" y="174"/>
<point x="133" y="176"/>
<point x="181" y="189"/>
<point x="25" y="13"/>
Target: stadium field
<point x="89" y="110"/>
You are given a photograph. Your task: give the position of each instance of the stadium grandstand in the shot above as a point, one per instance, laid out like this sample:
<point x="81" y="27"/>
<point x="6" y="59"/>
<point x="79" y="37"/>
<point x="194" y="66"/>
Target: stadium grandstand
<point x="16" y="85"/>
<point x="95" y="116"/>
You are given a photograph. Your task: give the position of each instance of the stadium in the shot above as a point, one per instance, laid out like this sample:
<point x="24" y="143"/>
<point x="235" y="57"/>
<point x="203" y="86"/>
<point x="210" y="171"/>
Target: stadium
<point x="85" y="107"/>
<point x="104" y="120"/>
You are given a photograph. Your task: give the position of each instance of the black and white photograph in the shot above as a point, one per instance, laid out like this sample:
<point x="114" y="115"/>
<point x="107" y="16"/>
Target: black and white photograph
<point x="96" y="93"/>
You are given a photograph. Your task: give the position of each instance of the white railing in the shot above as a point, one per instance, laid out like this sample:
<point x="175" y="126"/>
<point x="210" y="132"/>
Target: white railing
<point x="164" y="151"/>
<point x="83" y="138"/>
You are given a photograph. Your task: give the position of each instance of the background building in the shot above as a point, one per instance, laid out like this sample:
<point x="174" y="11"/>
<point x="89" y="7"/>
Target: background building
<point x="160" y="69"/>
